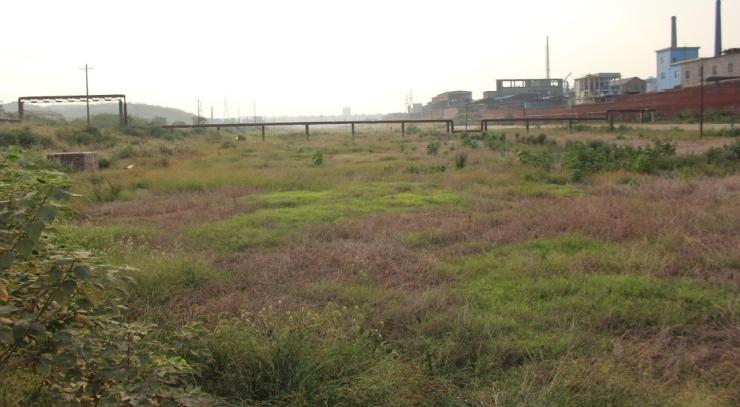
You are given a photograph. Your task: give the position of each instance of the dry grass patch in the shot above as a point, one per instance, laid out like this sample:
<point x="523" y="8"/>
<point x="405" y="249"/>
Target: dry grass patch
<point x="174" y="210"/>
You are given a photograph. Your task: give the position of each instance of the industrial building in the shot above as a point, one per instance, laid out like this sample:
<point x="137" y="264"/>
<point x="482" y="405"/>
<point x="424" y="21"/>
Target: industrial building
<point x="725" y="67"/>
<point x="669" y="75"/>
<point x="535" y="88"/>
<point x="680" y="66"/>
<point x="596" y="88"/>
<point x="629" y="86"/>
<point x="456" y="98"/>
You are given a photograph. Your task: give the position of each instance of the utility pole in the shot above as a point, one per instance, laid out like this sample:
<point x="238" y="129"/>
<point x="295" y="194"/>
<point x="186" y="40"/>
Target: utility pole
<point x="87" y="94"/>
<point x="466" y="115"/>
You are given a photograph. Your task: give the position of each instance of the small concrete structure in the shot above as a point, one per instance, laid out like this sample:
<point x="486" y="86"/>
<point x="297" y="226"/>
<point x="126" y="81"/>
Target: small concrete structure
<point x="83" y="161"/>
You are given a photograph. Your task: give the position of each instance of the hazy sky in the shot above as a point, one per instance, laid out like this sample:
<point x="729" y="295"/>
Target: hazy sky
<point x="312" y="57"/>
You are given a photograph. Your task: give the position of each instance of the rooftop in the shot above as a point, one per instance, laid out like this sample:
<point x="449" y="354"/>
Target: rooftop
<point x="677" y="48"/>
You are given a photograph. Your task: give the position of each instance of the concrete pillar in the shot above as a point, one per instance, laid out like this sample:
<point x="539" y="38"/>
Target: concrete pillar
<point x="353" y="132"/>
<point x="307" y="132"/>
<point x="403" y="128"/>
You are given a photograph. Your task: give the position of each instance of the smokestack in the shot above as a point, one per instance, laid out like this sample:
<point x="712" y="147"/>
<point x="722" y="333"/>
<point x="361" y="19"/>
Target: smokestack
<point x="718" y="31"/>
<point x="674" y="33"/>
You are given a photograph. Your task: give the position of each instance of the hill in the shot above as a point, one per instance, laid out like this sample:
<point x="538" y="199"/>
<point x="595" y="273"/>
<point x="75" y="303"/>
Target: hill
<point x="77" y="111"/>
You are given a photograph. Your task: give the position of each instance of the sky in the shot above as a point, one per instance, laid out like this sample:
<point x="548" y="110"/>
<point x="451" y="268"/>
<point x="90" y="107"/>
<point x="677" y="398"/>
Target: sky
<point x="317" y="57"/>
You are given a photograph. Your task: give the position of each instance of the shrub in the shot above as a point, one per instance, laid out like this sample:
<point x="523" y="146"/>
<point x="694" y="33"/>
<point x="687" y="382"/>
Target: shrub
<point x="433" y="148"/>
<point x="733" y="132"/>
<point x="496" y="143"/>
<point x="542" y="160"/>
<point x="318" y="158"/>
<point x="23" y="137"/>
<point x="125" y="153"/>
<point x="104" y="163"/>
<point x="413" y="129"/>
<point x="469" y="141"/>
<point x="587" y="158"/>
<point x="461" y="160"/>
<point x="540" y="139"/>
<point x="60" y="309"/>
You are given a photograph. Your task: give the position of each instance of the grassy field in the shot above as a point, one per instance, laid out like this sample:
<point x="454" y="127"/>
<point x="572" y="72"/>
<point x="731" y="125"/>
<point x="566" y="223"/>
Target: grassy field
<point x="506" y="270"/>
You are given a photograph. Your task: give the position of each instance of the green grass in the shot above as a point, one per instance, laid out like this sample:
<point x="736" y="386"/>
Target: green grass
<point x="531" y="302"/>
<point x="112" y="239"/>
<point x="562" y="321"/>
<point x="282" y="215"/>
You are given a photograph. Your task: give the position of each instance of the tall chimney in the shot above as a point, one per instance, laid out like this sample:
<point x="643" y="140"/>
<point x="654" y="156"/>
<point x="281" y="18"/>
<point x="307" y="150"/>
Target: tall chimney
<point x="718" y="31"/>
<point x="674" y="33"/>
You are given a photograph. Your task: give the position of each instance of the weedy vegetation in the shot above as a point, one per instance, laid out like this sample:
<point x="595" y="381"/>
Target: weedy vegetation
<point x="597" y="268"/>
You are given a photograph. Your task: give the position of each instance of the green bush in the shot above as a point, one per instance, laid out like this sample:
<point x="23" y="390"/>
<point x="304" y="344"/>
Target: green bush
<point x="582" y="159"/>
<point x="60" y="309"/>
<point x="540" y="139"/>
<point x="23" y="137"/>
<point x="469" y="141"/>
<point x="733" y="132"/>
<point x="542" y="160"/>
<point x="413" y="129"/>
<point x="318" y="158"/>
<point x="433" y="148"/>
<point x="461" y="160"/>
<point x="496" y="143"/>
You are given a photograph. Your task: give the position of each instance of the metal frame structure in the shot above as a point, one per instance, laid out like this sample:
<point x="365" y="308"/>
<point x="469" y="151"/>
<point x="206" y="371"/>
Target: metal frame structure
<point x="608" y="116"/>
<point x="121" y="99"/>
<point x="450" y="125"/>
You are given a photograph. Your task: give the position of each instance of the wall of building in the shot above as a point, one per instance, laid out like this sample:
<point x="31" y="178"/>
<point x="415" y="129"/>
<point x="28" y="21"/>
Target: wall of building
<point x="717" y="98"/>
<point x="669" y="75"/>
<point x="542" y="87"/>
<point x="726" y="65"/>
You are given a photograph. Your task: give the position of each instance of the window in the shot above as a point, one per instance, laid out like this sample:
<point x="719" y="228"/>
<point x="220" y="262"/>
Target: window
<point x="688" y="74"/>
<point x="673" y="60"/>
<point x="730" y="67"/>
<point x="662" y="76"/>
<point x="676" y="75"/>
<point x="714" y="69"/>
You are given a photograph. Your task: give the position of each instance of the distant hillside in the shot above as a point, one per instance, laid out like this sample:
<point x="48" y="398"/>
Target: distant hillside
<point x="77" y="111"/>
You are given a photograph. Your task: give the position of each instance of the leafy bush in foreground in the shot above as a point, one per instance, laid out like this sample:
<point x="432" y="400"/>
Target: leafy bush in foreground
<point x="60" y="310"/>
<point x="582" y="159"/>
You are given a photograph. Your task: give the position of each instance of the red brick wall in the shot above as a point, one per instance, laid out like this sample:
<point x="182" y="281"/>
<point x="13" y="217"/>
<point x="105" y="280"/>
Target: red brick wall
<point x="717" y="98"/>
